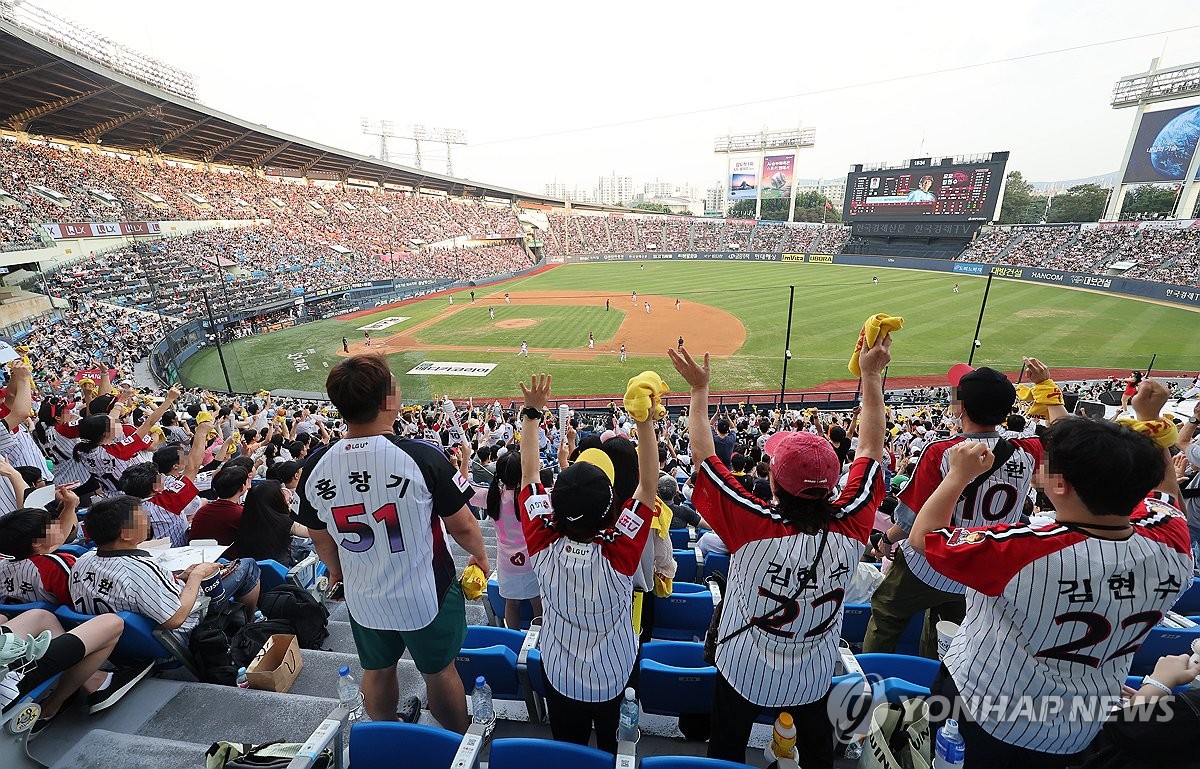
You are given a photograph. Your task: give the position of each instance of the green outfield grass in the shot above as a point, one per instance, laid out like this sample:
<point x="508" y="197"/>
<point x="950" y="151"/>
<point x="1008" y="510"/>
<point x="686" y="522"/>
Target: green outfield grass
<point x="557" y="326"/>
<point x="1064" y="327"/>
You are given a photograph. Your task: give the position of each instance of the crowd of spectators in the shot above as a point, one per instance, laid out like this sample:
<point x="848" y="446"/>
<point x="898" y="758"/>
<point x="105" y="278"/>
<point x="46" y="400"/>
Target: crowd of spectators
<point x="95" y="186"/>
<point x="1167" y="254"/>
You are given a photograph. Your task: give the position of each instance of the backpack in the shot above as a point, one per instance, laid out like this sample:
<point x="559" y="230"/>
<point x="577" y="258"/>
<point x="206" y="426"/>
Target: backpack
<point x="208" y="643"/>
<point x="296" y="605"/>
<point x="249" y="641"/>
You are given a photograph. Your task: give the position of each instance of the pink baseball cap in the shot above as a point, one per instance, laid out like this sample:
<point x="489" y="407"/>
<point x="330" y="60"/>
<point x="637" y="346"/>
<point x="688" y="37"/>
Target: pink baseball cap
<point x="803" y="464"/>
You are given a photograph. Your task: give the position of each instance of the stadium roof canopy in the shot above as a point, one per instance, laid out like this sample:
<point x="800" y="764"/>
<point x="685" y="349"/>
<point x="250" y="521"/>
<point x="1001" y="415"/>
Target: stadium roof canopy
<point x="50" y="91"/>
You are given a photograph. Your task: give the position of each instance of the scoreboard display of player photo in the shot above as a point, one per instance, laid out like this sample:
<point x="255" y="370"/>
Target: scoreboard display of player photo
<point x="963" y="192"/>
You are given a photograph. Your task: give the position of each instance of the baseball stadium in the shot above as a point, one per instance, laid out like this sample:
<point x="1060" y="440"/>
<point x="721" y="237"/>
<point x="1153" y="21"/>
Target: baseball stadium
<point x="822" y="469"/>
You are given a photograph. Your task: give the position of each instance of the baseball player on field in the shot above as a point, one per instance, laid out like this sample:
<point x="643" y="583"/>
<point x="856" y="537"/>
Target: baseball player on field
<point x="1055" y="612"/>
<point x="792" y="560"/>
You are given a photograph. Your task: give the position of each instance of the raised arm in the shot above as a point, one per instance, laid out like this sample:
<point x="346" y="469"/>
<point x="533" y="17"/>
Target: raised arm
<point x="156" y="415"/>
<point x="647" y="454"/>
<point x="871" y="419"/>
<point x="20" y="394"/>
<point x="699" y="428"/>
<point x="968" y="460"/>
<point x="536" y="396"/>
<point x="1038" y="373"/>
<point x="195" y="457"/>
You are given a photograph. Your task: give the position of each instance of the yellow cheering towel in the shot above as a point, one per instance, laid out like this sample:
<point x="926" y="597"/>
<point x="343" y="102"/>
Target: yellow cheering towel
<point x="876" y="327"/>
<point x="1161" y="431"/>
<point x="643" y="396"/>
<point x="473" y="582"/>
<point x="660" y="524"/>
<point x="1041" y="395"/>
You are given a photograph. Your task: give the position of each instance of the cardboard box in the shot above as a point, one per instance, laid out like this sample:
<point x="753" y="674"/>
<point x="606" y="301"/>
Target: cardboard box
<point x="275" y="668"/>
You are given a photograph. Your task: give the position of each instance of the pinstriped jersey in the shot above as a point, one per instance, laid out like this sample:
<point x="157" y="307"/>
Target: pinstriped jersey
<point x="787" y="658"/>
<point x="37" y="578"/>
<point x="129" y="580"/>
<point x="106" y="463"/>
<point x="1000" y="498"/>
<point x="20" y="449"/>
<point x="1053" y="612"/>
<point x="382" y="498"/>
<point x="588" y="646"/>
<point x="61" y="449"/>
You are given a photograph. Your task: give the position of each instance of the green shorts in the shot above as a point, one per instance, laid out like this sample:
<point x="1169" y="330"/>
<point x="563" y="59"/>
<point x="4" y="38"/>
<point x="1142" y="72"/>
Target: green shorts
<point x="433" y="647"/>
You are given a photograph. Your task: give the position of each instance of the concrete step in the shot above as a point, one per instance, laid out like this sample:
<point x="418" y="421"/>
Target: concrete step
<point x="101" y="749"/>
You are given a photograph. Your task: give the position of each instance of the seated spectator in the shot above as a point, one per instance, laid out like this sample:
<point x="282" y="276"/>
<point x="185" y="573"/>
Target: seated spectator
<point x="165" y="498"/>
<point x="30" y="568"/>
<point x="117" y="576"/>
<point x="266" y="528"/>
<point x="219" y="519"/>
<point x="75" y="657"/>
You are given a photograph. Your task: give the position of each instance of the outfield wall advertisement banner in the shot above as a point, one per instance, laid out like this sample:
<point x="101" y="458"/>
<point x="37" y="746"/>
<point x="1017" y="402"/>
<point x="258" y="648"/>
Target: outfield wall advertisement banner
<point x="453" y="368"/>
<point x="743" y="181"/>
<point x="73" y="230"/>
<point x="1163" y="148"/>
<point x="777" y="176"/>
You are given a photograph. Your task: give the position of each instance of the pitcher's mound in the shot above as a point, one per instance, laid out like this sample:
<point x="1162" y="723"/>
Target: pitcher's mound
<point x="517" y="323"/>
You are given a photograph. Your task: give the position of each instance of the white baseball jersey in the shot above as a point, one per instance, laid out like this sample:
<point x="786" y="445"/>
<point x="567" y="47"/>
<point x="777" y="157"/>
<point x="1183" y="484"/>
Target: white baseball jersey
<point x="1055" y="612"/>
<point x="20" y="449"/>
<point x="8" y="497"/>
<point x="107" y="462"/>
<point x="788" y="658"/>
<point x="999" y="499"/>
<point x="167" y="510"/>
<point x="61" y="449"/>
<point x="381" y="497"/>
<point x="588" y="646"/>
<point x="128" y="580"/>
<point x="37" y="578"/>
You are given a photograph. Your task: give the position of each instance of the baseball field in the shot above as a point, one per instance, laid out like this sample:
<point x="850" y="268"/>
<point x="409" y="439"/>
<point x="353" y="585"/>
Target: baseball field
<point x="736" y="311"/>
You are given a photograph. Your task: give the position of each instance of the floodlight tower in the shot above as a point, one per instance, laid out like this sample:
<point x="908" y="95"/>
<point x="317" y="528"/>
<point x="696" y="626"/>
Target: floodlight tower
<point x="385" y="130"/>
<point x="447" y="136"/>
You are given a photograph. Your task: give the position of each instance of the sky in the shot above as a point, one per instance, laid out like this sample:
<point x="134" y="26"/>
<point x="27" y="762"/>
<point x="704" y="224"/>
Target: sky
<point x="569" y="91"/>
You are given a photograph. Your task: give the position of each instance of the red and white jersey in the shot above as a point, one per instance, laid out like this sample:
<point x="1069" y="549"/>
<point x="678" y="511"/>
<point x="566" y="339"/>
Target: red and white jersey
<point x="1053" y="612"/>
<point x="588" y="646"/>
<point x="20" y="449"/>
<point x="788" y="659"/>
<point x="167" y="510"/>
<point x="382" y="498"/>
<point x="61" y="449"/>
<point x="37" y="578"/>
<point x="107" y="462"/>
<point x="999" y="499"/>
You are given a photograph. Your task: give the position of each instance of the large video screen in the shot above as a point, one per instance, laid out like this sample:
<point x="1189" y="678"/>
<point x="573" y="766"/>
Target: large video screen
<point x="1163" y="149"/>
<point x="923" y="191"/>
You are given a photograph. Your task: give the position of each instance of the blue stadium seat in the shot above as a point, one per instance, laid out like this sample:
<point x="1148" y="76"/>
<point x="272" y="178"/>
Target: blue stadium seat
<point x="546" y="754"/>
<point x="1189" y="602"/>
<point x="685" y="565"/>
<point x="271" y="574"/>
<point x="13" y="609"/>
<point x="687" y="762"/>
<point x="491" y="652"/>
<point x="674" y="678"/>
<point x="380" y="745"/>
<point x="1160" y="642"/>
<point x="537" y="676"/>
<point x="681" y="538"/>
<point x="496" y="604"/>
<point x="856" y="616"/>
<point x="914" y="670"/>
<point x="139" y="641"/>
<point x="76" y="550"/>
<point x="684" y="615"/>
<point x="715" y="562"/>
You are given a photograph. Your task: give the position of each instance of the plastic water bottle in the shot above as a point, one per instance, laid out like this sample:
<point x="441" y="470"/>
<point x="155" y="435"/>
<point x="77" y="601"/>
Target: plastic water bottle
<point x="259" y="616"/>
<point x="948" y="748"/>
<point x="243" y="681"/>
<point x="627" y="727"/>
<point x="348" y="694"/>
<point x="482" y="710"/>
